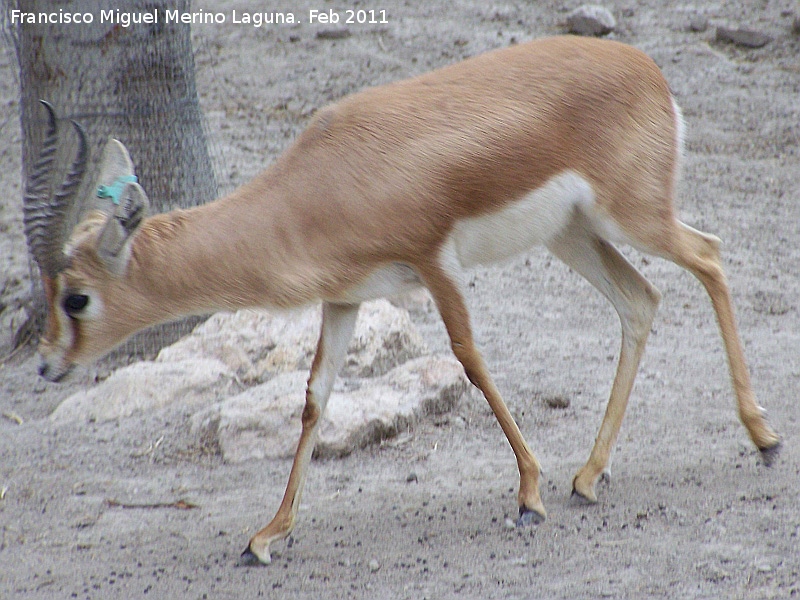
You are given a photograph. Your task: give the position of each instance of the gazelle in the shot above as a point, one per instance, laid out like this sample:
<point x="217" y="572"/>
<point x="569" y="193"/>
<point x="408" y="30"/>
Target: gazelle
<point x="568" y="142"/>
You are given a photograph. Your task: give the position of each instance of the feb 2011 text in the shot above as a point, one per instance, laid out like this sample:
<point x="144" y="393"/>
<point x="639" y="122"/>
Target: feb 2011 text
<point x="202" y="17"/>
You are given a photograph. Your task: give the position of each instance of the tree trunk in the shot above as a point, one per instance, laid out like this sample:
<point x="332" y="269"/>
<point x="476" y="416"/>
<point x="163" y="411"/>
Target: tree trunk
<point x="134" y="83"/>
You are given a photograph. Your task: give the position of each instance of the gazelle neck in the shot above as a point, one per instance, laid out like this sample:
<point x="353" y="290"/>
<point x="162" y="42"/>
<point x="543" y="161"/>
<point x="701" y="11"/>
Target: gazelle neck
<point x="199" y="261"/>
<point x="264" y="245"/>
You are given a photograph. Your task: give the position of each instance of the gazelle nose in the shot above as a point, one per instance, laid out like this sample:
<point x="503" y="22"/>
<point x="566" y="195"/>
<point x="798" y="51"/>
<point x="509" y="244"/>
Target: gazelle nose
<point x="50" y="373"/>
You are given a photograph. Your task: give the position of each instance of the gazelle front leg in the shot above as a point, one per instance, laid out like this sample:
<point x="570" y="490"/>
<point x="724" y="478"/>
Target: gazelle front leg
<point x="338" y="322"/>
<point x="454" y="313"/>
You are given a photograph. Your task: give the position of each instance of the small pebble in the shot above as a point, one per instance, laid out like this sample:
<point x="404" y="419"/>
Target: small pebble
<point x="333" y="34"/>
<point x="591" y="19"/>
<point x="557" y="402"/>
<point x="743" y="37"/>
<point x="374" y="566"/>
<point x="509" y="524"/>
<point x="699" y="23"/>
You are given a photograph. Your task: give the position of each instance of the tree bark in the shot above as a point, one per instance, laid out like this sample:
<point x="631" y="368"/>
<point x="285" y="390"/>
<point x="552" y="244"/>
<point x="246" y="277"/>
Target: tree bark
<point x="134" y="83"/>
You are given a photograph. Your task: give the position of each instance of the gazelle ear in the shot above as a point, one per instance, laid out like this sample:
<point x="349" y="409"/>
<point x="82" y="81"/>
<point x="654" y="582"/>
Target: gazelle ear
<point x="115" y="163"/>
<point x="116" y="169"/>
<point x="113" y="244"/>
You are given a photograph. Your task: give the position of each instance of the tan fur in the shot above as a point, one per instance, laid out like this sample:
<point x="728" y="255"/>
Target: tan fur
<point x="382" y="175"/>
<point x="369" y="195"/>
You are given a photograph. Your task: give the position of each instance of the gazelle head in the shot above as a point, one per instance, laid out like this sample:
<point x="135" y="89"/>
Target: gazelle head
<point x="83" y="270"/>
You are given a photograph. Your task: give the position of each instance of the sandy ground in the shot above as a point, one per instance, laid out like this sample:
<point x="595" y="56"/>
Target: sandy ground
<point x="690" y="511"/>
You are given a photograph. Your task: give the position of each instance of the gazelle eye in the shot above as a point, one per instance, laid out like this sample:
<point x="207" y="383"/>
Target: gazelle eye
<point x="75" y="303"/>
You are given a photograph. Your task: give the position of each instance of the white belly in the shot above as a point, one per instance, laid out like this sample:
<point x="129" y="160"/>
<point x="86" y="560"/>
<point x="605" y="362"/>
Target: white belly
<point x="390" y="280"/>
<point x="534" y="219"/>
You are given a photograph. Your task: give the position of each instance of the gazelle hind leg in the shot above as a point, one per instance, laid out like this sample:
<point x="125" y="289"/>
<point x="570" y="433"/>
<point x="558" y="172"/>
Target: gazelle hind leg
<point x="635" y="299"/>
<point x="699" y="253"/>
<point x="454" y="313"/>
<point x="338" y="322"/>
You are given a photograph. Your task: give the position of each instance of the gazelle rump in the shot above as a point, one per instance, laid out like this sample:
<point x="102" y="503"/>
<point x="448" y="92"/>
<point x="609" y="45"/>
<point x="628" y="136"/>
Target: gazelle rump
<point x="568" y="142"/>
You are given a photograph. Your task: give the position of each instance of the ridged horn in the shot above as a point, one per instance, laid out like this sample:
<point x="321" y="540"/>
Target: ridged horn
<point x="72" y="182"/>
<point x="37" y="193"/>
<point x="44" y="217"/>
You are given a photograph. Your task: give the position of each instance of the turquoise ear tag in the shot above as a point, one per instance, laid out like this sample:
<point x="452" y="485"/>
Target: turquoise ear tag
<point x="114" y="191"/>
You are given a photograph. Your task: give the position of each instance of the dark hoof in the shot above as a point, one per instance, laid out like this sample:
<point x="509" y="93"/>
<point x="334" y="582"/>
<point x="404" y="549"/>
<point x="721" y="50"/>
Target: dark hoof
<point x="769" y="455"/>
<point x="248" y="559"/>
<point x="579" y="499"/>
<point x="529" y="517"/>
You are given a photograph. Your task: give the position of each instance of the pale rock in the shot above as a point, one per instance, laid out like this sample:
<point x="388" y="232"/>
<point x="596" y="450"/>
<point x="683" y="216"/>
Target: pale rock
<point x="416" y="301"/>
<point x="255" y="344"/>
<point x="384" y="338"/>
<point x="261" y="422"/>
<point x="258" y="345"/>
<point x="264" y="421"/>
<point x="147" y="386"/>
<point x="384" y="387"/>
